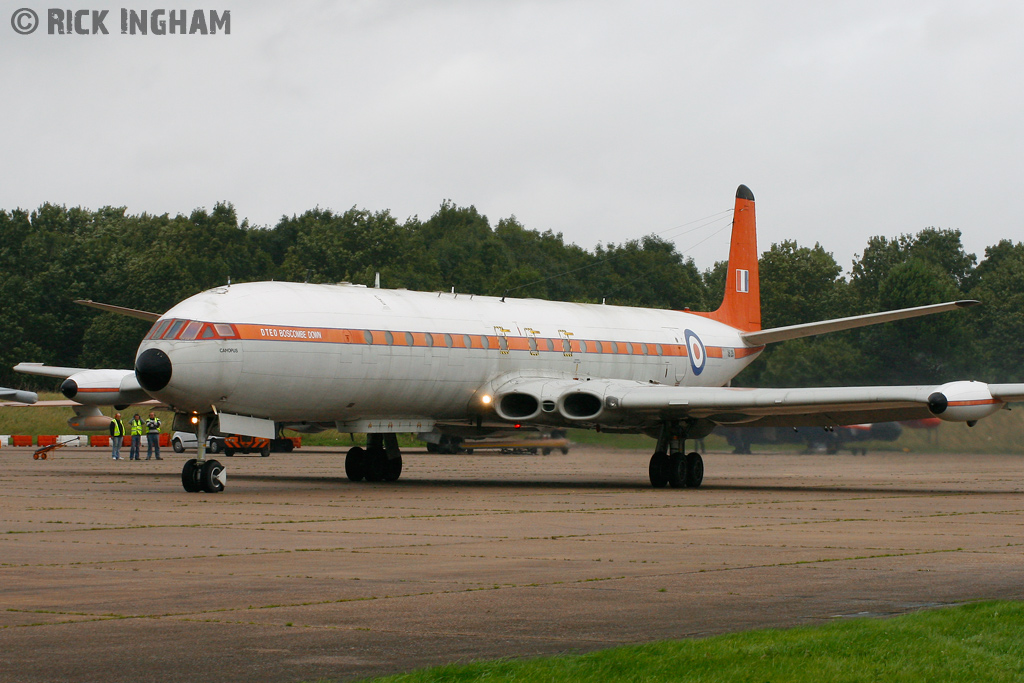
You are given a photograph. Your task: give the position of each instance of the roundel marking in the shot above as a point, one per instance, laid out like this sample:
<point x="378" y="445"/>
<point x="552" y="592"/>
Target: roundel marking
<point x="695" y="350"/>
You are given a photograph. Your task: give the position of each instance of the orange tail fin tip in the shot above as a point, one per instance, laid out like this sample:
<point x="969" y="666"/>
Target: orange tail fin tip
<point x="741" y="305"/>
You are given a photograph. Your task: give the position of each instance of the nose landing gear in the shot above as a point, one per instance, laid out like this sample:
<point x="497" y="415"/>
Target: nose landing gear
<point x="200" y="474"/>
<point x="208" y="476"/>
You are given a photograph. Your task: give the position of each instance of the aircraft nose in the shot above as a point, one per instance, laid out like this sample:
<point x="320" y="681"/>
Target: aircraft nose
<point x="153" y="369"/>
<point x="69" y="388"/>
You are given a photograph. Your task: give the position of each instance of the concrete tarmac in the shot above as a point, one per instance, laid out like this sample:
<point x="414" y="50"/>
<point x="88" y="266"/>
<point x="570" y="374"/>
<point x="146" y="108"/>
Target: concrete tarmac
<point x="110" y="571"/>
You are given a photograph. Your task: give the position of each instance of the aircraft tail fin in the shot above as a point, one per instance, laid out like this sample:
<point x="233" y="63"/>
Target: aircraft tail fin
<point x="741" y="305"/>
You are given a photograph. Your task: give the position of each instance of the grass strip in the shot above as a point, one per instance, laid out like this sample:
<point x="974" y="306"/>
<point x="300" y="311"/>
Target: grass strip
<point x="977" y="642"/>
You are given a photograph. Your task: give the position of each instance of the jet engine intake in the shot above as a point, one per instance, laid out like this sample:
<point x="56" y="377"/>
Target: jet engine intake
<point x="580" y="405"/>
<point x="518" y="406"/>
<point x="103" y="388"/>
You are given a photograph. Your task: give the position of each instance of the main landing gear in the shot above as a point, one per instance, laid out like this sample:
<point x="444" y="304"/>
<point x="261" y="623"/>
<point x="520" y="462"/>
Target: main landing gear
<point x="679" y="470"/>
<point x="200" y="474"/>
<point x="670" y="466"/>
<point x="381" y="460"/>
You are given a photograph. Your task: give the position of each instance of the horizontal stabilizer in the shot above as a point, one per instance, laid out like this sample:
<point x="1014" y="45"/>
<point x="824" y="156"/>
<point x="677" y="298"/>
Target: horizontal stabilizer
<point x="47" y="370"/>
<point x="778" y="334"/>
<point x="120" y="310"/>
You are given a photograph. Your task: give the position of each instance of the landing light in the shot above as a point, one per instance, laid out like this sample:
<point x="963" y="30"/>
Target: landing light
<point x="485" y="399"/>
<point x="195" y="419"/>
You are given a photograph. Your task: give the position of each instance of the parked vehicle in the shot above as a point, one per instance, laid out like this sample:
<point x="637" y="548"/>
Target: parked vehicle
<point x="182" y="441"/>
<point x="254" y="444"/>
<point x="246" y="444"/>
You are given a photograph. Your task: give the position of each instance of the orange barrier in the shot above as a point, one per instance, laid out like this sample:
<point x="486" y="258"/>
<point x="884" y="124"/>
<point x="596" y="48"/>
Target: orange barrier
<point x="296" y="441"/>
<point x="21" y="440"/>
<point x="99" y="440"/>
<point x="165" y="440"/>
<point x="46" y="440"/>
<point x="127" y="441"/>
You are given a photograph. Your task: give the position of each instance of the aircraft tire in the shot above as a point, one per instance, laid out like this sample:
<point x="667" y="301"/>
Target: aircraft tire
<point x="694" y="470"/>
<point x="190" y="476"/>
<point x="355" y="464"/>
<point x="376" y="463"/>
<point x="208" y="477"/>
<point x="658" y="470"/>
<point x="676" y="470"/>
<point x="393" y="469"/>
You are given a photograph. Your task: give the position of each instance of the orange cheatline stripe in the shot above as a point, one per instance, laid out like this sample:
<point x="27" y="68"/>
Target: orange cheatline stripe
<point x="977" y="402"/>
<point x="544" y="344"/>
<point x="97" y="390"/>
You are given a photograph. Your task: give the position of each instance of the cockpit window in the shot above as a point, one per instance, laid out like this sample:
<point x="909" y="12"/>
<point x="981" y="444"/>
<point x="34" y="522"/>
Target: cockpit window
<point x="158" y="328"/>
<point x="173" y="330"/>
<point x="190" y="331"/>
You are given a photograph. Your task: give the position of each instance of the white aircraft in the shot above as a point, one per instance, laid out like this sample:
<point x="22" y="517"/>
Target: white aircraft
<point x="254" y="358"/>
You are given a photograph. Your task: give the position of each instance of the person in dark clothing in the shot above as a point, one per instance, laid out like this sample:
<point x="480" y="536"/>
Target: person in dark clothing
<point x="116" y="436"/>
<point x="153" y="436"/>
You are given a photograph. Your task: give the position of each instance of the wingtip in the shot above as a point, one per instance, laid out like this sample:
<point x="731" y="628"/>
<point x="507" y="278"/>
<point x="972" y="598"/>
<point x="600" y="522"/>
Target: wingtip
<point x="743" y="192"/>
<point x="966" y="303"/>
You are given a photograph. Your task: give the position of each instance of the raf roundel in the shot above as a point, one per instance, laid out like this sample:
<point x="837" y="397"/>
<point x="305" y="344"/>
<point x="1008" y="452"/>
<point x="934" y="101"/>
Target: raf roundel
<point x="695" y="350"/>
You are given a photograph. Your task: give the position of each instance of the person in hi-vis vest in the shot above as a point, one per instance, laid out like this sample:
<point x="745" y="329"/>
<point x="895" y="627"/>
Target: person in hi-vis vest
<point x="116" y="436"/>
<point x="136" y="428"/>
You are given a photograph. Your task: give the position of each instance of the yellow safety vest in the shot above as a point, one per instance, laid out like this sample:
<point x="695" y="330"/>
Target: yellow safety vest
<point x="136" y="426"/>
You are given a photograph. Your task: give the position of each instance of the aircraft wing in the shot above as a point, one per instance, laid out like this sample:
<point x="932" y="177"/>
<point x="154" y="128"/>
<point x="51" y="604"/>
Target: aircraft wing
<point x="826" y="406"/>
<point x="619" y="402"/>
<point x="120" y="310"/>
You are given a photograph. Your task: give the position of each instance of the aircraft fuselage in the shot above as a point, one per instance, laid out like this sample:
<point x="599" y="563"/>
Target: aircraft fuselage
<point x="335" y="353"/>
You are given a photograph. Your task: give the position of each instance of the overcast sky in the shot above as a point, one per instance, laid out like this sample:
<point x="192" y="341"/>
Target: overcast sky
<point x="604" y="121"/>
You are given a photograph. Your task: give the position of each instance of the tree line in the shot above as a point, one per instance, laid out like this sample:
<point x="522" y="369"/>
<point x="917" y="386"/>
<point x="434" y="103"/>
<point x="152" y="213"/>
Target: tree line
<point x="53" y="255"/>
